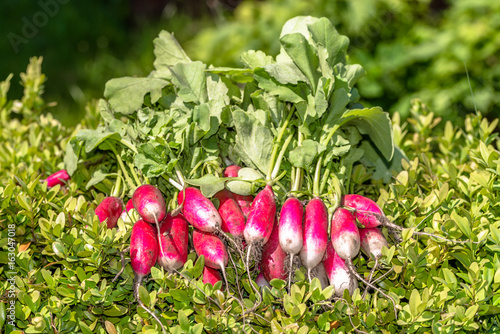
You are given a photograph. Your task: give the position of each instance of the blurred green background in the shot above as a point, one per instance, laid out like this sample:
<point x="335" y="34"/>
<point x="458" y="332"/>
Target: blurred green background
<point x="444" y="52"/>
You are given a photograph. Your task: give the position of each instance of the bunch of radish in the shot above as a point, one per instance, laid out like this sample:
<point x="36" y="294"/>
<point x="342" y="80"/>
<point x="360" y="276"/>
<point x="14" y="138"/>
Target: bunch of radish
<point x="273" y="235"/>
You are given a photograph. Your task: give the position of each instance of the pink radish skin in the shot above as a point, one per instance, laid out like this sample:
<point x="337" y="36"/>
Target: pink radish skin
<point x="290" y="226"/>
<point x="231" y="171"/>
<point x="345" y="234"/>
<point x="211" y="275"/>
<point x="372" y="241"/>
<point x="363" y="206"/>
<point x="143" y="255"/>
<point x="212" y="247"/>
<point x="261" y="218"/>
<point x="233" y="220"/>
<point x="338" y="273"/>
<point x="244" y="202"/>
<point x="149" y="203"/>
<point x="109" y="210"/>
<point x="315" y="234"/>
<point x="59" y="177"/>
<point x="174" y="239"/>
<point x="143" y="248"/>
<point x="262" y="281"/>
<point x="199" y="211"/>
<point x="272" y="263"/>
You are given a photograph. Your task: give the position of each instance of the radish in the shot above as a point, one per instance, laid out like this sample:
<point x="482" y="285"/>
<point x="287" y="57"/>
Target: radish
<point x="211" y="275"/>
<point x="231" y="171"/>
<point x="319" y="272"/>
<point x="149" y="203"/>
<point x="109" y="210"/>
<point x="365" y="209"/>
<point x="129" y="206"/>
<point x="315" y="234"/>
<point x="213" y="249"/>
<point x="199" y="211"/>
<point x="338" y="273"/>
<point x="346" y="242"/>
<point x="290" y="229"/>
<point x="261" y="218"/>
<point x="345" y="234"/>
<point x="60" y="177"/>
<point x="244" y="202"/>
<point x="143" y="255"/>
<point x="273" y="259"/>
<point x="174" y="239"/>
<point x="233" y="220"/>
<point x="372" y="241"/>
<point x="262" y="281"/>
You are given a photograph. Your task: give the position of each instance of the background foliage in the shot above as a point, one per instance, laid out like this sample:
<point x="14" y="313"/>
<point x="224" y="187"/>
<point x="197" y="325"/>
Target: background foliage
<point x="409" y="49"/>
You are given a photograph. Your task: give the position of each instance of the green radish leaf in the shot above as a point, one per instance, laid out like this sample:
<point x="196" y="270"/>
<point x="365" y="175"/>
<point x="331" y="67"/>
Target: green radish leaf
<point x="303" y="56"/>
<point x="153" y="159"/>
<point x="254" y="141"/>
<point x="73" y="148"/>
<point x="324" y="34"/>
<point x="168" y="52"/>
<point x="253" y="59"/>
<point x="375" y="123"/>
<point x="99" y="175"/>
<point x="94" y="138"/>
<point x="287" y="93"/>
<point x="190" y="80"/>
<point x="383" y="169"/>
<point x="285" y="73"/>
<point x="303" y="156"/>
<point x="209" y="184"/>
<point x="126" y="95"/>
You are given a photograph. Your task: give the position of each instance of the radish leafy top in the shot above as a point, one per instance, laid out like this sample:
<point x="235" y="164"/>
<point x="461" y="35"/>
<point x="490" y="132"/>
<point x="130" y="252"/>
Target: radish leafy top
<point x="182" y="120"/>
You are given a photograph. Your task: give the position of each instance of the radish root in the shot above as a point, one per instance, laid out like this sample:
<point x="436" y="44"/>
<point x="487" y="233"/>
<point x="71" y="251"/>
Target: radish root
<point x="352" y="269"/>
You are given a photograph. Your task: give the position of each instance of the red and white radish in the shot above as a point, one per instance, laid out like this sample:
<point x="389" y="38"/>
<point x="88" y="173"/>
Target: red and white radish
<point x="346" y="242"/>
<point x="272" y="263"/>
<point x="59" y="177"/>
<point x="345" y="234"/>
<point x="173" y="239"/>
<point x="231" y="171"/>
<point x="372" y="241"/>
<point x="260" y="221"/>
<point x="143" y="255"/>
<point x="338" y="273"/>
<point x="109" y="210"/>
<point x="262" y="281"/>
<point x="149" y="203"/>
<point x="233" y="220"/>
<point x="210" y="275"/>
<point x="315" y="234"/>
<point x="198" y="210"/>
<point x="291" y="229"/>
<point x="213" y="249"/>
<point x="366" y="210"/>
<point x="244" y="202"/>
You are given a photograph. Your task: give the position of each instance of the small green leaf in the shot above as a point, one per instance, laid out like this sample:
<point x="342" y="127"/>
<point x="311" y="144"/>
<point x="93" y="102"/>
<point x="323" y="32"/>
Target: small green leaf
<point x="126" y="95"/>
<point x="209" y="184"/>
